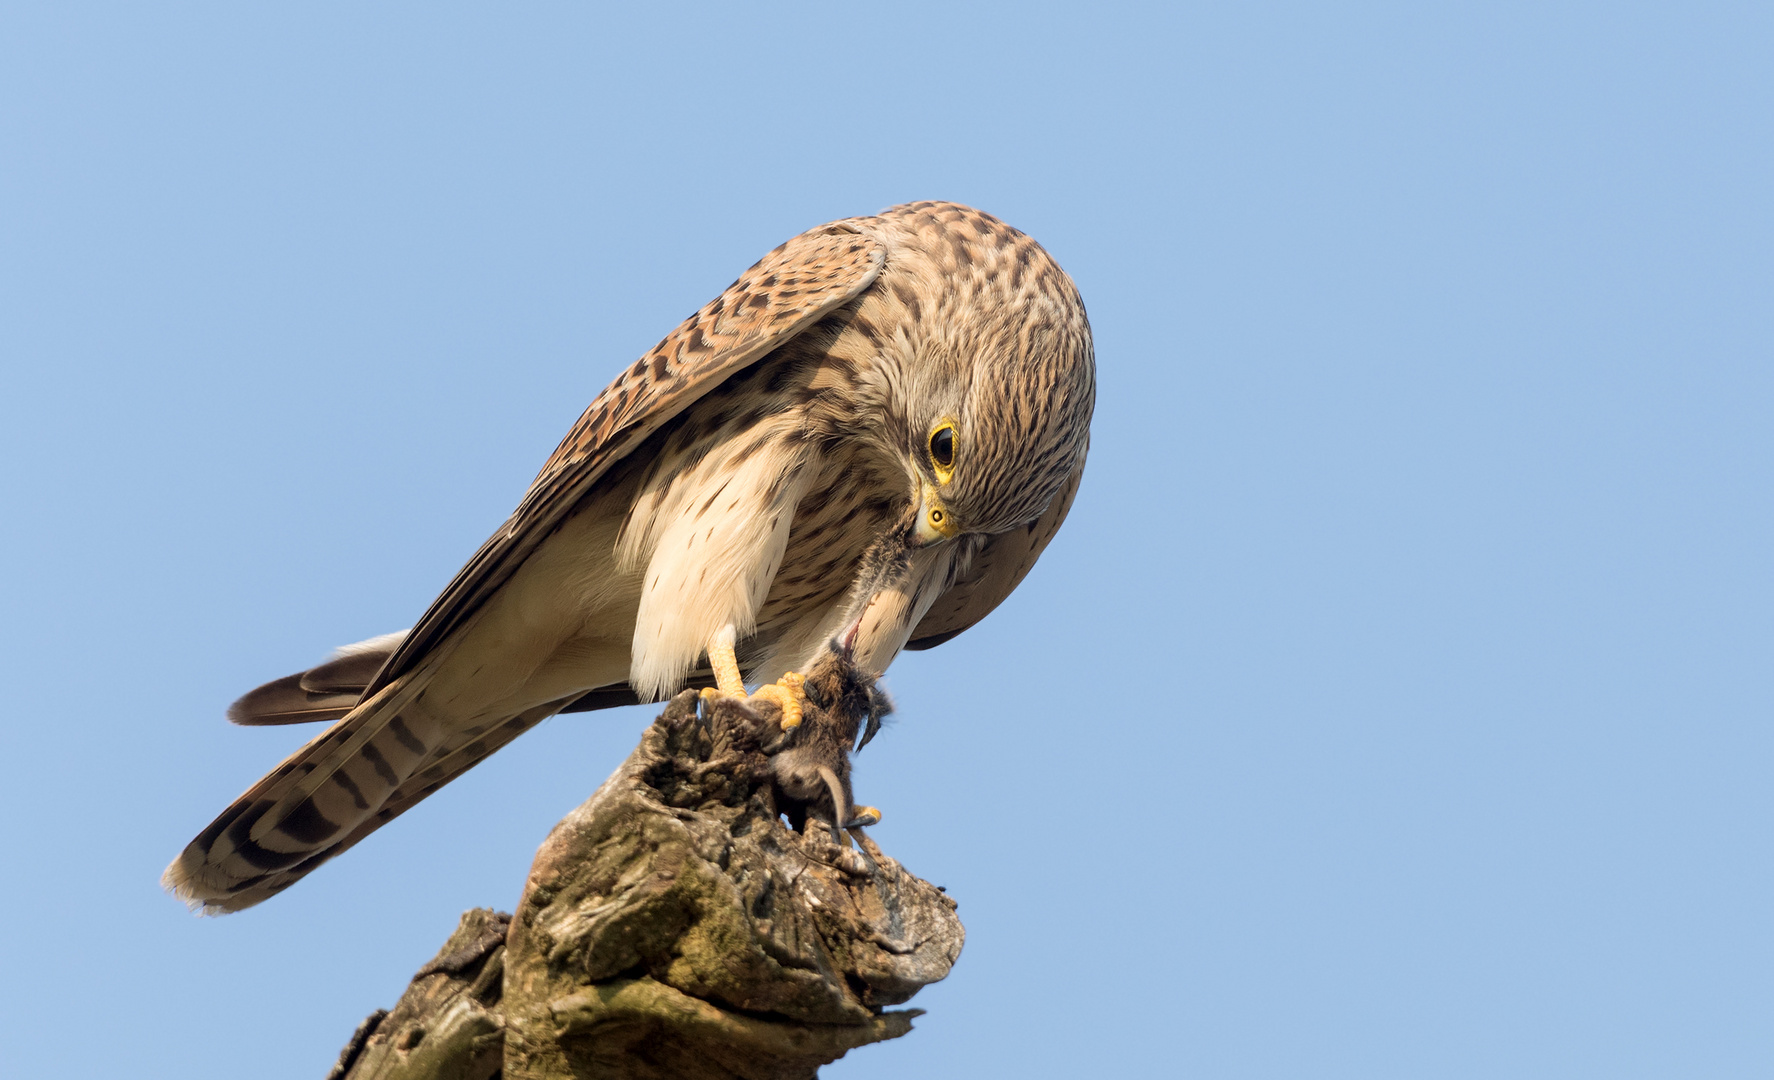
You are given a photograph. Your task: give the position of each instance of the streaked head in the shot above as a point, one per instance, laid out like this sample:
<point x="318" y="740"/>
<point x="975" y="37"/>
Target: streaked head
<point x="995" y="413"/>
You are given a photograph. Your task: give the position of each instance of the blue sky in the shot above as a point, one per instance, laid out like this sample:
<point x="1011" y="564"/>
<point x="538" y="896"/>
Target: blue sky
<point x="1396" y="702"/>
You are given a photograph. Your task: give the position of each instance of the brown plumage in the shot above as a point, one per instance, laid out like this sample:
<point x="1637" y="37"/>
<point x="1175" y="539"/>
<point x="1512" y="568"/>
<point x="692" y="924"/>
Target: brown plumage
<point x="868" y="438"/>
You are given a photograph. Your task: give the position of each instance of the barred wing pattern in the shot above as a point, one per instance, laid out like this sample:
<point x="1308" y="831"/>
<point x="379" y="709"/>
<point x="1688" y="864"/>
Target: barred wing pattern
<point x="383" y="756"/>
<point x="785" y="292"/>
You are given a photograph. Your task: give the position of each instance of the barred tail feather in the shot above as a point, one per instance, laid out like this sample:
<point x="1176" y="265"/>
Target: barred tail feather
<point x="354" y="778"/>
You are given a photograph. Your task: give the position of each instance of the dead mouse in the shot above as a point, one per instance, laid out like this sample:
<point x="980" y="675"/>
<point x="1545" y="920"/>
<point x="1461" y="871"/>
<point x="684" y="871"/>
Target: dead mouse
<point x="811" y="763"/>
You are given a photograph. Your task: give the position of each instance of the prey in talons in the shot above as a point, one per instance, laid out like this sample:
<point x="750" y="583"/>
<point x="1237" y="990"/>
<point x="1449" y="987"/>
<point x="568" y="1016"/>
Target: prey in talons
<point x="786" y="693"/>
<point x="810" y="763"/>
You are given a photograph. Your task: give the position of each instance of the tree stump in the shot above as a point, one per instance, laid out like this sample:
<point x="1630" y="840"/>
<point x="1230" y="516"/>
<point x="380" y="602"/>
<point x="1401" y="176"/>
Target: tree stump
<point x="674" y="926"/>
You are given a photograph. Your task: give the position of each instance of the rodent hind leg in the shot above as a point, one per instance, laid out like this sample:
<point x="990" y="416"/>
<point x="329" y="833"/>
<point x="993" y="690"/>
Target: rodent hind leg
<point x="845" y="814"/>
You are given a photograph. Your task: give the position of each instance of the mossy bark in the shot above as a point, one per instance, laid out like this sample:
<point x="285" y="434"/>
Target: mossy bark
<point x="674" y="926"/>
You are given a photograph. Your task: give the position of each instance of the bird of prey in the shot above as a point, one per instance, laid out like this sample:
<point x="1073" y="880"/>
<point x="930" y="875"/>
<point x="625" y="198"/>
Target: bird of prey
<point x="863" y="443"/>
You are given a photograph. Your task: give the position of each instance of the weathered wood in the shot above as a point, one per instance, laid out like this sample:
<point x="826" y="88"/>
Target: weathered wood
<point x="674" y="926"/>
<point x="447" y="1025"/>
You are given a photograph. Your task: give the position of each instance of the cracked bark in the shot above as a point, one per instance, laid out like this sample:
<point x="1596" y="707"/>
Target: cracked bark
<point x="674" y="926"/>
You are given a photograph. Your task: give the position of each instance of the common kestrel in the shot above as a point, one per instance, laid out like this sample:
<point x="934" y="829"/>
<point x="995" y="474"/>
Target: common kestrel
<point x="865" y="442"/>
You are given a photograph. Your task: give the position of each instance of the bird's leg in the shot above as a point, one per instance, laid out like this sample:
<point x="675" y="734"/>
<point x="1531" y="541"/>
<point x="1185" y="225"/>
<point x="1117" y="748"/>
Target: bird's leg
<point x="725" y="664"/>
<point x="786" y="692"/>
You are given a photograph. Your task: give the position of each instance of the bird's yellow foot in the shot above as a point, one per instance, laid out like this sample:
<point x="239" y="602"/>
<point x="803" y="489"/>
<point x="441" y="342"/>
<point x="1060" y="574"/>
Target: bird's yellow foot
<point x="864" y="815"/>
<point x="787" y="693"/>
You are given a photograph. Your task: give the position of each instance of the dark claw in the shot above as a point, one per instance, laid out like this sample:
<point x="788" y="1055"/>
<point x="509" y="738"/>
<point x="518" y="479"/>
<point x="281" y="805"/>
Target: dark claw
<point x="879" y="706"/>
<point x="780" y="741"/>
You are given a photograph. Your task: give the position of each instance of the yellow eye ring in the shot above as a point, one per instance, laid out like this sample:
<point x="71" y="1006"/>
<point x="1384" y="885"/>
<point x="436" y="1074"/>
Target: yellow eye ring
<point x="944" y="446"/>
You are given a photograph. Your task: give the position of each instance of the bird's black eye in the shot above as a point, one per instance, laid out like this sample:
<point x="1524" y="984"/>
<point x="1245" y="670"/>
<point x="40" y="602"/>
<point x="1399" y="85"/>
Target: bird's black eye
<point x="942" y="448"/>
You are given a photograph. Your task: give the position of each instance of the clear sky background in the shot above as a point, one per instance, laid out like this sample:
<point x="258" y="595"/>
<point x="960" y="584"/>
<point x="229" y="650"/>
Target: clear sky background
<point x="1396" y="702"/>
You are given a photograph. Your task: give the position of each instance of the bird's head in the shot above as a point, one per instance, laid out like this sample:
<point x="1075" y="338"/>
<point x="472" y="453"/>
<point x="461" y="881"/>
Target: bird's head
<point x="995" y="413"/>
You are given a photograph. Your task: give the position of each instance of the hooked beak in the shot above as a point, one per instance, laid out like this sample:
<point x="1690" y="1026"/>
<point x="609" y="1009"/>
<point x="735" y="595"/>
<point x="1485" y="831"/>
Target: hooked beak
<point x="935" y="523"/>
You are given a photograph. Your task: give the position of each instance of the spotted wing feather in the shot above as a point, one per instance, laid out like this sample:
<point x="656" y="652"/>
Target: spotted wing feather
<point x="385" y="754"/>
<point x="787" y="291"/>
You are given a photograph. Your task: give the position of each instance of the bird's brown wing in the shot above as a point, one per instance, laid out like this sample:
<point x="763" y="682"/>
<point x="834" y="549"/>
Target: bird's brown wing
<point x="787" y="291"/>
<point x="371" y="765"/>
<point x="326" y="691"/>
<point x="331" y="690"/>
<point x="996" y="570"/>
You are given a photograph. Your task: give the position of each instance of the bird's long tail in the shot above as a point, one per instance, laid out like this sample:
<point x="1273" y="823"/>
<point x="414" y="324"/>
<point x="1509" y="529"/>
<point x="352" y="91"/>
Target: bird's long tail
<point x="382" y="756"/>
<point x="386" y="754"/>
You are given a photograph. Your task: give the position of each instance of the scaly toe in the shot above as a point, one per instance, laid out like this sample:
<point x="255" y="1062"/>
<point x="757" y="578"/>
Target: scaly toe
<point x="788" y="695"/>
<point x="865" y="815"/>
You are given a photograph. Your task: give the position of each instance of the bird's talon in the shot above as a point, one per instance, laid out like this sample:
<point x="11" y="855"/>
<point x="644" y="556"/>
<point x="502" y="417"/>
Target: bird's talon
<point x="788" y="695"/>
<point x="865" y="815"/>
<point x="712" y="694"/>
<point x="787" y="692"/>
